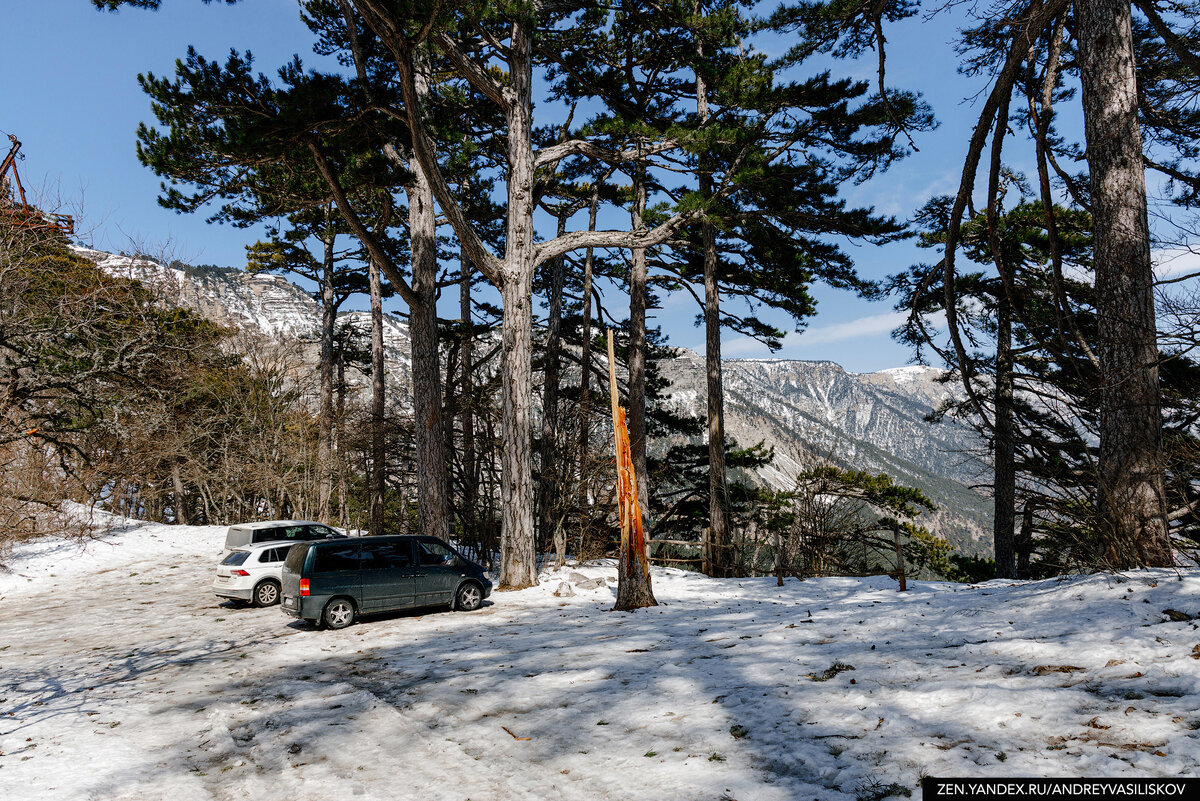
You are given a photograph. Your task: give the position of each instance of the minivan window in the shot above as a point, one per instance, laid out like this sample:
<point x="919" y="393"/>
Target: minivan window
<point x="296" y="555"/>
<point x="336" y="557"/>
<point x="235" y="558"/>
<point x="434" y="553"/>
<point x="386" y="555"/>
<point x="318" y="532"/>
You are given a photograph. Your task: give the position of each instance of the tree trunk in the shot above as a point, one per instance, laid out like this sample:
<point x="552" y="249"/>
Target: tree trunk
<point x="551" y="487"/>
<point x="179" y="499"/>
<point x="585" y="381"/>
<point x="375" y="477"/>
<point x="325" y="422"/>
<point x="1024" y="543"/>
<point x="636" y="357"/>
<point x="1004" y="518"/>
<point x="518" y="564"/>
<point x="518" y="567"/>
<point x="716" y="546"/>
<point x="777" y="544"/>
<point x="470" y="480"/>
<point x="339" y="440"/>
<point x="1131" y="500"/>
<point x="433" y="519"/>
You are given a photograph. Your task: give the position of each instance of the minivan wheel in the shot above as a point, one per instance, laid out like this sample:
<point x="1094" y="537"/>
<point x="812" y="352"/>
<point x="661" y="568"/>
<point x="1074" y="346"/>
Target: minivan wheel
<point x="266" y="594"/>
<point x="338" y="613"/>
<point x="469" y="597"/>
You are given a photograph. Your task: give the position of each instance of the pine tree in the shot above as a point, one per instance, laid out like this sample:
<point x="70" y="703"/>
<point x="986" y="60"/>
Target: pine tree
<point x="455" y="35"/>
<point x="1007" y="309"/>
<point x="1031" y="51"/>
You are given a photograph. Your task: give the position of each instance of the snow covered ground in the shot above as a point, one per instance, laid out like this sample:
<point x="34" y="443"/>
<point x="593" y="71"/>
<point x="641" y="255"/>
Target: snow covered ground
<point x="123" y="677"/>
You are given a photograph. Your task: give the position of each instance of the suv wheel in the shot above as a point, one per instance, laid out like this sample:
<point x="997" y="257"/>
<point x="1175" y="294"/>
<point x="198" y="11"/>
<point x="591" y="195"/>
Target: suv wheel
<point x="338" y="613"/>
<point x="266" y="594"/>
<point x="469" y="597"/>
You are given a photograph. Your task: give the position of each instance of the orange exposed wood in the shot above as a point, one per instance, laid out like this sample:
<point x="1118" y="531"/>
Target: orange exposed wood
<point x="633" y="538"/>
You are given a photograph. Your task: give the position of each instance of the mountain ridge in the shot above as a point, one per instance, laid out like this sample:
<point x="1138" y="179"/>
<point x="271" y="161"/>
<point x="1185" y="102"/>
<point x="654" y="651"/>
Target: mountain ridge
<point x="810" y="411"/>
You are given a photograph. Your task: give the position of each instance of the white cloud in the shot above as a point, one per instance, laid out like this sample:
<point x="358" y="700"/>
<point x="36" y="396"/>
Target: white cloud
<point x="1174" y="262"/>
<point x="744" y="348"/>
<point x="871" y="325"/>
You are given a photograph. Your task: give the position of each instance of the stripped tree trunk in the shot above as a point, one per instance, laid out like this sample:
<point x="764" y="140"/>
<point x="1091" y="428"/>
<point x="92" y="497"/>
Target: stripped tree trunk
<point x="1131" y="494"/>
<point x="634" y="590"/>
<point x="375" y="476"/>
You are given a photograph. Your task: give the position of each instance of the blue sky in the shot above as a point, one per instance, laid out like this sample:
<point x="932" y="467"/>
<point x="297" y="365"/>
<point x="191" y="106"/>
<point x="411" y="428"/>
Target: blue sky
<point x="70" y="94"/>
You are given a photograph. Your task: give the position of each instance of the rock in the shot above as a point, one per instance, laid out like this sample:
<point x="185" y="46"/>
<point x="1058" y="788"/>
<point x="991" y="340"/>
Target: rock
<point x="575" y="577"/>
<point x="590" y="584"/>
<point x="564" y="591"/>
<point x="1177" y="616"/>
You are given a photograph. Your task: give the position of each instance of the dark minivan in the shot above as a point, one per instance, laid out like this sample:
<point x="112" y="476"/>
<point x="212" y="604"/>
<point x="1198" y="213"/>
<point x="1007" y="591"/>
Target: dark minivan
<point x="333" y="581"/>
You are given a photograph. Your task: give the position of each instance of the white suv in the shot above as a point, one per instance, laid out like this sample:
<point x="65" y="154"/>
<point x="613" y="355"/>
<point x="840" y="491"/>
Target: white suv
<point x="251" y="573"/>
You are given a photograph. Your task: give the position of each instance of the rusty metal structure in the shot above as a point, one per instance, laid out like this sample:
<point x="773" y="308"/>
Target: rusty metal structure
<point x="15" y="211"/>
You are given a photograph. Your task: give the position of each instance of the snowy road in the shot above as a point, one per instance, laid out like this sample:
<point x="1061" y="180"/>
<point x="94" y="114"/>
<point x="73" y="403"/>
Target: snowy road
<point x="122" y="677"/>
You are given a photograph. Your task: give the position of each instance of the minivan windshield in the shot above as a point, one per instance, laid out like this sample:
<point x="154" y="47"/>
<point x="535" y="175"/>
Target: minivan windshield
<point x="235" y="558"/>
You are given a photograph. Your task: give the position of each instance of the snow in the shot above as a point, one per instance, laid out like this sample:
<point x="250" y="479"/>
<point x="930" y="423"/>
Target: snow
<point x="123" y="677"/>
<point x="908" y="374"/>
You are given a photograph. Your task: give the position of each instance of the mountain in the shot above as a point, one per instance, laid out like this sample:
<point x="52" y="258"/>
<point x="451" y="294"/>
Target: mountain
<point x="815" y="411"/>
<point x="263" y="303"/>
<point x="809" y="411"/>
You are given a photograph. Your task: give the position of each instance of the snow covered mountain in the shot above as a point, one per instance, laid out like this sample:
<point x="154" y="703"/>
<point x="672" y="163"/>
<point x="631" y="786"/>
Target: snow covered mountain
<point x="814" y="412"/>
<point x="260" y="302"/>
<point x="269" y="303"/>
<point x="810" y="411"/>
